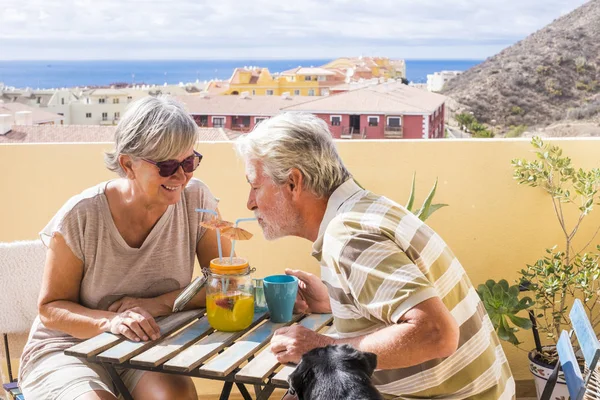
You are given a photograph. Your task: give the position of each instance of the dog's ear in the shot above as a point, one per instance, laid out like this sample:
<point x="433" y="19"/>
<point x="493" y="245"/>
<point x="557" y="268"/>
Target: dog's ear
<point x="302" y="377"/>
<point x="371" y="359"/>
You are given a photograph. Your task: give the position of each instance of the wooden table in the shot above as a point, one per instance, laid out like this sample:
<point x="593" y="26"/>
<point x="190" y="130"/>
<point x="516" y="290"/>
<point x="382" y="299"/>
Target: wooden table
<point x="190" y="346"/>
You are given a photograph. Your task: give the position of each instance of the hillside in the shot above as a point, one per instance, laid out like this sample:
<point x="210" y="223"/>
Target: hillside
<point x="552" y="75"/>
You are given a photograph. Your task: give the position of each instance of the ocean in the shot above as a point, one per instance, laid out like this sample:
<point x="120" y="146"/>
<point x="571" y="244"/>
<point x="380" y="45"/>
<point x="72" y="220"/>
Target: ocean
<point x="58" y="74"/>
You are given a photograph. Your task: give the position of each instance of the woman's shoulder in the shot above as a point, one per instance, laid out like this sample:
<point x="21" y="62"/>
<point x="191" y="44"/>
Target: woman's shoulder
<point x="88" y="199"/>
<point x="196" y="185"/>
<point x="198" y="195"/>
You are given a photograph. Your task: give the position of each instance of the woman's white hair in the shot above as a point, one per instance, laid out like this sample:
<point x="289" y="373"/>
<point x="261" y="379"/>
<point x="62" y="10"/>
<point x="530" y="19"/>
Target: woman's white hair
<point x="296" y="140"/>
<point x="155" y="128"/>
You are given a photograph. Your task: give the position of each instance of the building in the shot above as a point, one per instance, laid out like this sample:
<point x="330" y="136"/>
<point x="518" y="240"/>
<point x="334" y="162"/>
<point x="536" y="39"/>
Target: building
<point x="96" y="106"/>
<point x="21" y="114"/>
<point x="369" y="67"/>
<point x="238" y="113"/>
<point x="388" y="110"/>
<point x="437" y="80"/>
<point x="299" y="81"/>
<point x="84" y="134"/>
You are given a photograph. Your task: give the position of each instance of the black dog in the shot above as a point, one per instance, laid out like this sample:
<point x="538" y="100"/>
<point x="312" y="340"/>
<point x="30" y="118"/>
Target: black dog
<point x="335" y="373"/>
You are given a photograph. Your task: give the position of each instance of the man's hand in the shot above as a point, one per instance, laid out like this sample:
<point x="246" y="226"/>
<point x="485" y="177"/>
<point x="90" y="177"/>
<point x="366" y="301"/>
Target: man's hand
<point x="152" y="305"/>
<point x="290" y="343"/>
<point x="312" y="293"/>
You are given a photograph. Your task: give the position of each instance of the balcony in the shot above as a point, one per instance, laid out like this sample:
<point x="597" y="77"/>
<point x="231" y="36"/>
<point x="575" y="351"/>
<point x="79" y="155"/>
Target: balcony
<point x="240" y="128"/>
<point x="109" y="121"/>
<point x="392" y="132"/>
<point x="492" y="224"/>
<point x="349" y="132"/>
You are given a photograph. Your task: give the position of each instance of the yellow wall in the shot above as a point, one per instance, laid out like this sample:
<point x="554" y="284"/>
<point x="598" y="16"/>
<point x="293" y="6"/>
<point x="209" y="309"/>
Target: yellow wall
<point x="493" y="225"/>
<point x="278" y="85"/>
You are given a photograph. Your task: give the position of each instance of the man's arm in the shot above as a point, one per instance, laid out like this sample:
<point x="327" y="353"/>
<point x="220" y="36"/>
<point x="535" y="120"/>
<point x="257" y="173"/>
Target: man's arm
<point x="425" y="332"/>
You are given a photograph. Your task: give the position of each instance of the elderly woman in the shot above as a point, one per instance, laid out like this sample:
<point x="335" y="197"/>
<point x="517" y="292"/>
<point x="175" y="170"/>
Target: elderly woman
<point x="119" y="254"/>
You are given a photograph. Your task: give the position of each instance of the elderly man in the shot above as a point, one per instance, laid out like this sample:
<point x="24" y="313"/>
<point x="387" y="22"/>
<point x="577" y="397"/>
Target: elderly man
<point x="393" y="286"/>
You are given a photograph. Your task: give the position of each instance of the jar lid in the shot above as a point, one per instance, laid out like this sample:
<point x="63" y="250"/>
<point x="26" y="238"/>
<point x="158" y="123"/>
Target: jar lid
<point x="228" y="266"/>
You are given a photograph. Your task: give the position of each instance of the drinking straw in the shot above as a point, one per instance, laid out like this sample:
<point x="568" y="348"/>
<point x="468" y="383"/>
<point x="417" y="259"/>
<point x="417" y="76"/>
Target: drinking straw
<point x="237" y="221"/>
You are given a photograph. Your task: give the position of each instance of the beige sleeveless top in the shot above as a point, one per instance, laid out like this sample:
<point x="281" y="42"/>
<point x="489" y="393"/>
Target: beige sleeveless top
<point x="112" y="269"/>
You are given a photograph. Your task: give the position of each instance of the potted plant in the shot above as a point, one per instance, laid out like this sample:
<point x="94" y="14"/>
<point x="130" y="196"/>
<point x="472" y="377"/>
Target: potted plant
<point x="566" y="271"/>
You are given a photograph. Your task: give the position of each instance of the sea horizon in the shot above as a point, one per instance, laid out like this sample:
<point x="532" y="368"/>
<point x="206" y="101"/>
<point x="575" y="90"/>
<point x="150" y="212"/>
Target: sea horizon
<point x="52" y="74"/>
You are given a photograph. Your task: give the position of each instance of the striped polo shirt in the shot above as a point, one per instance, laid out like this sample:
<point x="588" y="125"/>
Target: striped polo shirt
<point x="378" y="260"/>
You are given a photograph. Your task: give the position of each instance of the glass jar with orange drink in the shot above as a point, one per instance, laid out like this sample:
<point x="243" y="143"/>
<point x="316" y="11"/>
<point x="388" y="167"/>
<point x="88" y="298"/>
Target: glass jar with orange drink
<point x="229" y="294"/>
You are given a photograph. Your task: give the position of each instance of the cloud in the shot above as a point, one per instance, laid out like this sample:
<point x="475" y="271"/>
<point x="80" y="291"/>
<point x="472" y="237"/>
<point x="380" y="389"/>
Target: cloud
<point x="123" y="29"/>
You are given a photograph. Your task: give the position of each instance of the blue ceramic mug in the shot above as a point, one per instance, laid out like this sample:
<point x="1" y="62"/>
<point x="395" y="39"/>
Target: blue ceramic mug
<point x="280" y="293"/>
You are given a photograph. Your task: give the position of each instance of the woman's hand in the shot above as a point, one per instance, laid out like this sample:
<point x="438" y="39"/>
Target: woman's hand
<point x="312" y="293"/>
<point x="135" y="324"/>
<point x="154" y="306"/>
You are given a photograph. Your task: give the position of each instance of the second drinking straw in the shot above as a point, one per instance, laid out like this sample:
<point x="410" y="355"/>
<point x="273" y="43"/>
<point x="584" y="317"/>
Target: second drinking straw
<point x="237" y="221"/>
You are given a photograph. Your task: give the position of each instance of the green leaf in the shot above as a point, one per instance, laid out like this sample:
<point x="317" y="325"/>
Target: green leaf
<point x="411" y="198"/>
<point x="432" y="209"/>
<point x="523" y="323"/>
<point x="427" y="204"/>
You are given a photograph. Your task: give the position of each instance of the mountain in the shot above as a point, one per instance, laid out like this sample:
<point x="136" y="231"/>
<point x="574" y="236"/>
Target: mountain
<point x="552" y="75"/>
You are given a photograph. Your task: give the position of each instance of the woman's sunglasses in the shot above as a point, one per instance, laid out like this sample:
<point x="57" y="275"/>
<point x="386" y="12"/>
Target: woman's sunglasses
<point x="169" y="167"/>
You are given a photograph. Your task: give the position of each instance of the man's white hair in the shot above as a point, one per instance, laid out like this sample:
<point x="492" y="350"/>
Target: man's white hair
<point x="296" y="140"/>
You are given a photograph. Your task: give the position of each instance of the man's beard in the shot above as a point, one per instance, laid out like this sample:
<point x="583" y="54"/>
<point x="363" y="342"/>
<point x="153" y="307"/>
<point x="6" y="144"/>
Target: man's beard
<point x="284" y="219"/>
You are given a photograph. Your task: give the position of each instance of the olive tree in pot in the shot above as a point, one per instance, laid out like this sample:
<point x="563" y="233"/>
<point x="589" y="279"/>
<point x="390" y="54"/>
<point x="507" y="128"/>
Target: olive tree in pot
<point x="563" y="273"/>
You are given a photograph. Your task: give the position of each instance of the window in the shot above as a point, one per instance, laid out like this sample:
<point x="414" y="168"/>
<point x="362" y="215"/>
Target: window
<point x="129" y="98"/>
<point x="336" y="120"/>
<point x="269" y="92"/>
<point x="88" y="115"/>
<point x="104" y="116"/>
<point x="62" y="101"/>
<point x="308" y="78"/>
<point x="373" y="121"/>
<point x="258" y="120"/>
<point x="321" y="78"/>
<point x="296" y="92"/>
<point x="218" y="122"/>
<point x="201" y="120"/>
<point x="101" y="101"/>
<point x="394" y="121"/>
<point x="39" y="100"/>
<point x="311" y="92"/>
<point x="116" y="100"/>
<point x="117" y="115"/>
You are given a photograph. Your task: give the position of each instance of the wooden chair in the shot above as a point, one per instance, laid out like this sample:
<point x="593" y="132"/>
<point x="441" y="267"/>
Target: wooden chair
<point x="21" y="266"/>
<point x="580" y="386"/>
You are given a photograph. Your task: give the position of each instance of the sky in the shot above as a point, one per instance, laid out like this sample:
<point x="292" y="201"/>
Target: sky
<point x="265" y="29"/>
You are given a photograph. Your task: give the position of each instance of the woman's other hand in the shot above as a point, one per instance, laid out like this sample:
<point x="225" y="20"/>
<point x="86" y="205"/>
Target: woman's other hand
<point x="135" y="324"/>
<point x="154" y="306"/>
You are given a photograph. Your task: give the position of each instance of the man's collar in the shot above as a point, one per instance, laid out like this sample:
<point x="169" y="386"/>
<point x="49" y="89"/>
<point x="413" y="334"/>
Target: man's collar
<point x="337" y="198"/>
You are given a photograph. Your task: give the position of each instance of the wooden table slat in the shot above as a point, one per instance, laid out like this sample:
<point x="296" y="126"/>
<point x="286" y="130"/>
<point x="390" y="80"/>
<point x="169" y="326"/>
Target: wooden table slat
<point x="127" y="348"/>
<point x="95" y="345"/>
<point x="235" y="355"/>
<point x="263" y="365"/>
<point x="202" y="350"/>
<point x="281" y="378"/>
<point x="174" y="345"/>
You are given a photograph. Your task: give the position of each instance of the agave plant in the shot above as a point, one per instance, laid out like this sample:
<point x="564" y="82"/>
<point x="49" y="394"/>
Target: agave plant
<point x="502" y="304"/>
<point x="427" y="208"/>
